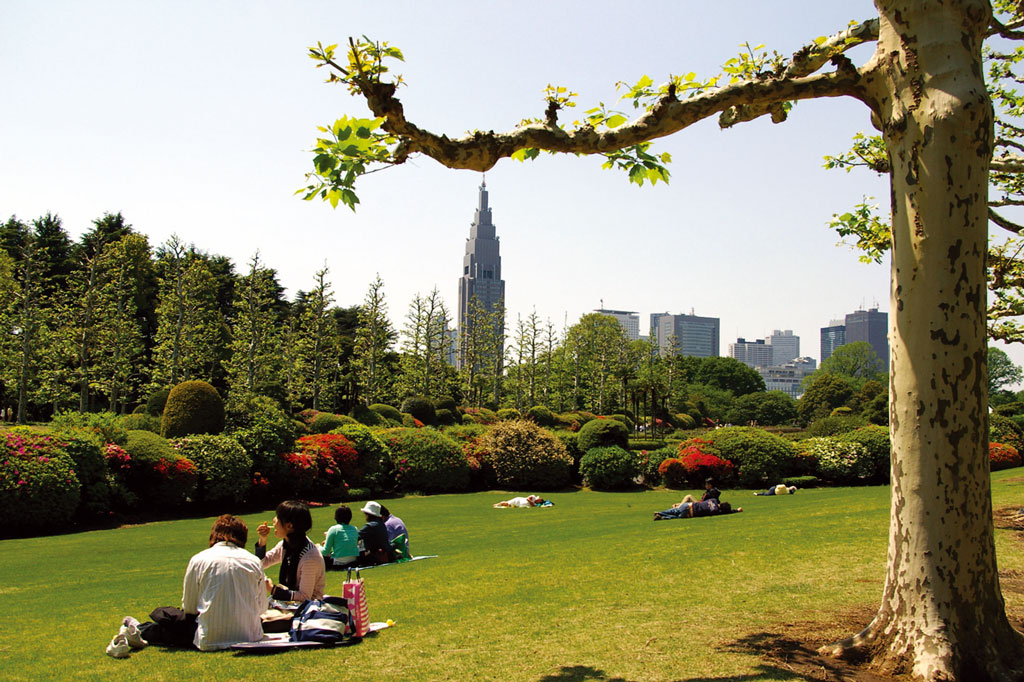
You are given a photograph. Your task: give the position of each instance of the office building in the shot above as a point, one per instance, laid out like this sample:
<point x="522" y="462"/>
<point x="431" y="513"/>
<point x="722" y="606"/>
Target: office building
<point x="789" y="377"/>
<point x="871" y="326"/>
<point x="686" y="334"/>
<point x="630" y="321"/>
<point x="832" y="337"/>
<point x="785" y="346"/>
<point x="752" y="353"/>
<point x="481" y="265"/>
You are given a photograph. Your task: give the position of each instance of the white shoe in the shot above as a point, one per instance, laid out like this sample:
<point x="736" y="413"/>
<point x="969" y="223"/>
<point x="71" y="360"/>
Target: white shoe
<point x="130" y="630"/>
<point x="118" y="647"/>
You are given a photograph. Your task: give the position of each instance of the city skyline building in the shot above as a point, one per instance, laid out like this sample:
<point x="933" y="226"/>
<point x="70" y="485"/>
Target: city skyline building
<point x="871" y="326"/>
<point x="630" y="321"/>
<point x="481" y="266"/>
<point x="832" y="337"/>
<point x="752" y="353"/>
<point x="788" y="377"/>
<point x="692" y="334"/>
<point x="785" y="346"/>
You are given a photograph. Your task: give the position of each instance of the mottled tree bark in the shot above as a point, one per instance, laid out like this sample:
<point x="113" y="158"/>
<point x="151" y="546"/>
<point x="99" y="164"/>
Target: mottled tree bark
<point x="942" y="615"/>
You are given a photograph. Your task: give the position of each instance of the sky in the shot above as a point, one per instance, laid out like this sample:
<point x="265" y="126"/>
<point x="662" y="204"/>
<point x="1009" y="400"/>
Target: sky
<point x="195" y="118"/>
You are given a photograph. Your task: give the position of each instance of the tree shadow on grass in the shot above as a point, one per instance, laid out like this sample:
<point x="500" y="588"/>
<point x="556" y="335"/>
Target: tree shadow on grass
<point x="582" y="673"/>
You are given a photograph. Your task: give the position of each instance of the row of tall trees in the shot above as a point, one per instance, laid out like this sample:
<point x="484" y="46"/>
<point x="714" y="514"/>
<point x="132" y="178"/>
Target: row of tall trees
<point x="103" y="322"/>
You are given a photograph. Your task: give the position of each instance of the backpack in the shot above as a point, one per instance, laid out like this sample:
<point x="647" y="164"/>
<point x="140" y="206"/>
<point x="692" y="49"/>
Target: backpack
<point x="324" y="620"/>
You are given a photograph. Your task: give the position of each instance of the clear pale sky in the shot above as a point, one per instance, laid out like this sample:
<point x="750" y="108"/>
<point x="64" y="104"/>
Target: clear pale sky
<point x="195" y="118"/>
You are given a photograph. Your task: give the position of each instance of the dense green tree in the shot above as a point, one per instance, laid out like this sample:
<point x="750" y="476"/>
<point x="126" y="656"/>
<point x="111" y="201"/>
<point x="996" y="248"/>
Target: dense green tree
<point x="106" y="230"/>
<point x="728" y="374"/>
<point x="315" y="342"/>
<point x="255" y="362"/>
<point x="374" y="354"/>
<point x="857" y="362"/>
<point x="426" y="344"/>
<point x="1001" y="371"/>
<point x="823" y="394"/>
<point x="770" y="408"/>
<point x="594" y="348"/>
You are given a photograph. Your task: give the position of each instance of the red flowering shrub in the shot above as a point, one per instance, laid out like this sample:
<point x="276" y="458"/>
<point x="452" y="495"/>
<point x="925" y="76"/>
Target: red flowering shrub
<point x="322" y="463"/>
<point x="673" y="473"/>
<point x="1003" y="456"/>
<point x="117" y="457"/>
<point x="156" y="477"/>
<point x="38" y="485"/>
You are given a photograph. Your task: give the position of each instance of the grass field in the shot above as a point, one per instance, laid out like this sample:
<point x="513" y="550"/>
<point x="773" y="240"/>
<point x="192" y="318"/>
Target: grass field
<point x="590" y="589"/>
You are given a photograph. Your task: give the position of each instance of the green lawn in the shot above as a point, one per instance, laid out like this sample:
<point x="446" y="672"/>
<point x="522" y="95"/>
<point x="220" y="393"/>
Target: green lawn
<point x="590" y="589"/>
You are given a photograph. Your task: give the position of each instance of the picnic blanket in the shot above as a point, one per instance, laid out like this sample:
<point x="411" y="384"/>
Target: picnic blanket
<point x="395" y="563"/>
<point x="276" y="642"/>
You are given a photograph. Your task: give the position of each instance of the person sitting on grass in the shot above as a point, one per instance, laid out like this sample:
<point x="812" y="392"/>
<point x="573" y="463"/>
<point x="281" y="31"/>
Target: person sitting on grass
<point x="394" y="525"/>
<point x="373" y="538"/>
<point x="688" y="510"/>
<point x="302" y="565"/>
<point x="710" y="493"/>
<point x="223" y="596"/>
<point x="341" y="546"/>
<point x="780" y="489"/>
<point x="528" y="501"/>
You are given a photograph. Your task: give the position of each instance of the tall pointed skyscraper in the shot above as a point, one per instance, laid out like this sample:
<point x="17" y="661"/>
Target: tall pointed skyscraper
<point x="481" y="268"/>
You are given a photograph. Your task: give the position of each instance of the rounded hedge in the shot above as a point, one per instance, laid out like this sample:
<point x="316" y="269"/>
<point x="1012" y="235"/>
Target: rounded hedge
<point x="508" y="414"/>
<point x="373" y="456"/>
<point x="85" y="448"/>
<point x="362" y="414"/>
<point x="39" y="489"/>
<point x="525" y="455"/>
<point x="840" y="461"/>
<point x="222" y="465"/>
<point x="426" y="460"/>
<point x="875" y="440"/>
<point x="625" y="419"/>
<point x="603" y="433"/>
<point x="540" y="415"/>
<point x="156" y="402"/>
<point x="156" y="476"/>
<point x="392" y="414"/>
<point x="193" y="407"/>
<point x="140" y="421"/>
<point x="446" y="403"/>
<point x="263" y="429"/>
<point x="445" y="417"/>
<point x="325" y="422"/>
<point x="420" y="408"/>
<point x="1006" y="431"/>
<point x="610" y="468"/>
<point x="760" y="456"/>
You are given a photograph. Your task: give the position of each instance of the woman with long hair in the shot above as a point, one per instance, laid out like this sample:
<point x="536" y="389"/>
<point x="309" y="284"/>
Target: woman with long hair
<point x="302" y="565"/>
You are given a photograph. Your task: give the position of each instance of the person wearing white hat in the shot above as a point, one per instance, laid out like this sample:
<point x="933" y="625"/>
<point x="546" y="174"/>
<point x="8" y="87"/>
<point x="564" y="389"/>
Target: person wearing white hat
<point x="373" y="538"/>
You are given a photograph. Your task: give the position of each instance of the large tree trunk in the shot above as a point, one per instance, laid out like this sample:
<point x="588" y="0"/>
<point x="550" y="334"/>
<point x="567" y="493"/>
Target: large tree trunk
<point x="942" y="615"/>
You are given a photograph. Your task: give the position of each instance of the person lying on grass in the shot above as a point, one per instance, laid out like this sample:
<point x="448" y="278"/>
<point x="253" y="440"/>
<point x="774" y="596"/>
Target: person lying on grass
<point x="302" y="565"/>
<point x="780" y="489"/>
<point x="687" y="510"/>
<point x="223" y="596"/>
<point x="710" y="493"/>
<point x="528" y="501"/>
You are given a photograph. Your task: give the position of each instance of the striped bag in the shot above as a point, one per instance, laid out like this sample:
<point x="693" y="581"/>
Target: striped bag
<point x="355" y="592"/>
<point x="324" y="620"/>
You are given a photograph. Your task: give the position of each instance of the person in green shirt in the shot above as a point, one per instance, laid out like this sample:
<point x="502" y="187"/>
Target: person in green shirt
<point x="341" y="547"/>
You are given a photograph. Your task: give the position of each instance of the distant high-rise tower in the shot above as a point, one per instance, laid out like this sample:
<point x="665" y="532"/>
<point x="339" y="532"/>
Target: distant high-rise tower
<point x="481" y="266"/>
<point x="630" y="321"/>
<point x="785" y="346"/>
<point x="832" y="337"/>
<point x="752" y="353"/>
<point x="686" y="334"/>
<point x="871" y="326"/>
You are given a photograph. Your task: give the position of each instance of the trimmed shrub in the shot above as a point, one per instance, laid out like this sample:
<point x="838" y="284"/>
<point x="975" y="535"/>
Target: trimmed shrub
<point x="140" y="421"/>
<point x="801" y="481"/>
<point x="696" y="465"/>
<point x="759" y="456"/>
<point x="684" y="421"/>
<point x="39" y="489"/>
<point x="480" y="415"/>
<point x="156" y="476"/>
<point x="106" y="425"/>
<point x="193" y="407"/>
<point x="624" y="419"/>
<point x="140" y="409"/>
<point x="1003" y="456"/>
<point x="525" y="455"/>
<point x="420" y="408"/>
<point x="840" y="461"/>
<point x="86" y="451"/>
<point x="1004" y="430"/>
<point x="364" y="415"/>
<point x="650" y="464"/>
<point x="645" y="444"/>
<point x="411" y="422"/>
<point x="325" y="422"/>
<point x="321" y="465"/>
<point x="571" y="442"/>
<point x="388" y="412"/>
<point x="541" y="415"/>
<point x="446" y="403"/>
<point x="673" y="473"/>
<point x="265" y="432"/>
<point x="468" y="419"/>
<point x="373" y="457"/>
<point x="156" y="401"/>
<point x="875" y="440"/>
<point x="426" y="460"/>
<point x="603" y="433"/>
<point x="445" y="417"/>
<point x="506" y="414"/>
<point x="222" y="465"/>
<point x="610" y="468"/>
<point x="835" y="425"/>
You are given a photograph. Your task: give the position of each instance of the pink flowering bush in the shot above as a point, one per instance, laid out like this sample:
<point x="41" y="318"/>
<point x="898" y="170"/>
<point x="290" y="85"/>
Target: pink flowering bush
<point x="322" y="464"/>
<point x="156" y="478"/>
<point x="39" y="489"/>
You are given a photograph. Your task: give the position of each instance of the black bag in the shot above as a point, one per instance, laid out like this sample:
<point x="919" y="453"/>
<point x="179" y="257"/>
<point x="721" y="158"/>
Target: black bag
<point x="324" y="620"/>
<point x="171" y="627"/>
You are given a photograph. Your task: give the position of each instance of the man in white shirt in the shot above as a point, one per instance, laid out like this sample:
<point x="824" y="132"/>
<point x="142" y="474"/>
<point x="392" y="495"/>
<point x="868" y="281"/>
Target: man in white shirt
<point x="225" y="592"/>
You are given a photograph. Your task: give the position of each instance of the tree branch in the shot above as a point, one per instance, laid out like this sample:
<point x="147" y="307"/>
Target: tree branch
<point x="1007" y="163"/>
<point x="1004" y="223"/>
<point x="480" y="151"/>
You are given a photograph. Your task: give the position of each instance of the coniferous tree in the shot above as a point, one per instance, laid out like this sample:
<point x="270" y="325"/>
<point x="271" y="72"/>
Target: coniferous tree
<point x="374" y="347"/>
<point x="255" y="361"/>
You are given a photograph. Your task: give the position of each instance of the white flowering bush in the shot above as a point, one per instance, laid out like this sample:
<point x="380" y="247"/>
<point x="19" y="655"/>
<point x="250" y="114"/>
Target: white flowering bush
<point x="840" y="461"/>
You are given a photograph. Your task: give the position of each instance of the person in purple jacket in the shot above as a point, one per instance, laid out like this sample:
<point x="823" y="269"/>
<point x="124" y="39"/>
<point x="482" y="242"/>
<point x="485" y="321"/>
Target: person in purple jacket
<point x="394" y="525"/>
<point x="689" y="510"/>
